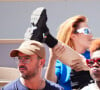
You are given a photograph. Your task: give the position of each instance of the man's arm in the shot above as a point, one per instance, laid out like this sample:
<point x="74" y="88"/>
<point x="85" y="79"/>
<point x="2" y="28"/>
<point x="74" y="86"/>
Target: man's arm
<point x="50" y="72"/>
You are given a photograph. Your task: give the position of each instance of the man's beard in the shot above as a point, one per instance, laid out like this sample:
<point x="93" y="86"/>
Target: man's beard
<point x="30" y="74"/>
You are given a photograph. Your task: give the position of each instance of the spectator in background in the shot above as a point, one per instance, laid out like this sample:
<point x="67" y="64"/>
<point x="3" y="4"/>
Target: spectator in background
<point x="94" y="65"/>
<point x="31" y="59"/>
<point x="75" y="33"/>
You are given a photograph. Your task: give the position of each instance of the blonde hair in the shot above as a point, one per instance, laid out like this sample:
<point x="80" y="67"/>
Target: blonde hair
<point x="95" y="45"/>
<point x="68" y="27"/>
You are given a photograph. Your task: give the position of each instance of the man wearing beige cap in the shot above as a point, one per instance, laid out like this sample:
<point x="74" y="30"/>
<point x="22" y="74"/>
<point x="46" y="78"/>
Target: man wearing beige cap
<point x="31" y="59"/>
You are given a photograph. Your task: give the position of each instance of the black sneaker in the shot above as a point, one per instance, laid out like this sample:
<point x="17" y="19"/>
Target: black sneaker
<point x="38" y="21"/>
<point x="40" y="31"/>
<point x="39" y="17"/>
<point x="33" y="33"/>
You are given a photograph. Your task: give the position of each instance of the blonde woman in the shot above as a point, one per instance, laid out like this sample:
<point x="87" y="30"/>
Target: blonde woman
<point x="75" y="33"/>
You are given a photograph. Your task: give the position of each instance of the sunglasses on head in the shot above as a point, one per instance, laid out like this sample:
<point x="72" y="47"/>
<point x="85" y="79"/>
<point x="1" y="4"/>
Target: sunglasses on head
<point x="90" y="62"/>
<point x="84" y="30"/>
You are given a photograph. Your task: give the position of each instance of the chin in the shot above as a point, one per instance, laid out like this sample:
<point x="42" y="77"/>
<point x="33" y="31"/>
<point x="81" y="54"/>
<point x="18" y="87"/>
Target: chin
<point x="96" y="78"/>
<point x="24" y="76"/>
<point x="22" y="73"/>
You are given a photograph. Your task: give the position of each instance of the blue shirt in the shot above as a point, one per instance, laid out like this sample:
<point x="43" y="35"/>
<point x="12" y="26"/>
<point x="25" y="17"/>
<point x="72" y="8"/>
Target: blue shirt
<point x="17" y="85"/>
<point x="63" y="73"/>
<point x="86" y="54"/>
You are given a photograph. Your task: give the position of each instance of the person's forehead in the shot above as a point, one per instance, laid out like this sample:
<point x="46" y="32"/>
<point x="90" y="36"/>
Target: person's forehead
<point x="96" y="54"/>
<point x="83" y="24"/>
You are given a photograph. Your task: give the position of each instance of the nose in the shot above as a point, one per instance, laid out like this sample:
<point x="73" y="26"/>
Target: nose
<point x="21" y="62"/>
<point x="95" y="65"/>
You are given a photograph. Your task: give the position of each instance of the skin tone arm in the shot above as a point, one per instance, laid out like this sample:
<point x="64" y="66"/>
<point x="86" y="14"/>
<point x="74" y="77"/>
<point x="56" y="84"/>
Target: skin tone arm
<point x="50" y="72"/>
<point x="58" y="50"/>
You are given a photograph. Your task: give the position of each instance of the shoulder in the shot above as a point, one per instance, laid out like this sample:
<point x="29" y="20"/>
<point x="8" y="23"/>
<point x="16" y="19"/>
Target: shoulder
<point x="86" y="54"/>
<point x="85" y="88"/>
<point x="91" y="86"/>
<point x="59" y="63"/>
<point x="9" y="86"/>
<point x="53" y="86"/>
<point x="62" y="68"/>
<point x="14" y="85"/>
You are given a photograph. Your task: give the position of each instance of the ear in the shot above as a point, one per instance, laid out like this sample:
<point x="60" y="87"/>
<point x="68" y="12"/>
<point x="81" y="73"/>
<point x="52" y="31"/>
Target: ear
<point x="42" y="62"/>
<point x="73" y="36"/>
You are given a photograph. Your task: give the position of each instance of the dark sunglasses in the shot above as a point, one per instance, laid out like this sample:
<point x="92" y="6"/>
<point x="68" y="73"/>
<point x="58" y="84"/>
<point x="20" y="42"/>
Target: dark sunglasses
<point x="90" y="62"/>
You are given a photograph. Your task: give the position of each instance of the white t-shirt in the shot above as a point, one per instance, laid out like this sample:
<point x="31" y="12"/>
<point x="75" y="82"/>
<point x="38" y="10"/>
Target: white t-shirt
<point x="91" y="86"/>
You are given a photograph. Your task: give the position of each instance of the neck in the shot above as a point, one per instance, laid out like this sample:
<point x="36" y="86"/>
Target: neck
<point x="33" y="83"/>
<point x="80" y="49"/>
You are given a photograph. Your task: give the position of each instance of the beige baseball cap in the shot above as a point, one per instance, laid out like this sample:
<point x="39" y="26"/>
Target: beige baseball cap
<point x="30" y="47"/>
